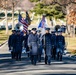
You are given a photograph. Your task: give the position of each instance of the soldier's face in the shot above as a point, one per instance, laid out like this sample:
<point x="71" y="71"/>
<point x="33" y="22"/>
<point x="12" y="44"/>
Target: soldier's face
<point x="47" y="31"/>
<point x="60" y="33"/>
<point x="13" y="32"/>
<point x="57" y="33"/>
<point x="34" y="32"/>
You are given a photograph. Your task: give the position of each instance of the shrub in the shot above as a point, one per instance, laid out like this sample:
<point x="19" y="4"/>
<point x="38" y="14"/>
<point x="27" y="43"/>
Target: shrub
<point x="2" y="14"/>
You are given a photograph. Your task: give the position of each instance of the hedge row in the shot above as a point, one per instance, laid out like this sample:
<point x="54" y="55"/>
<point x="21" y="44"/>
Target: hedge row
<point x="9" y="14"/>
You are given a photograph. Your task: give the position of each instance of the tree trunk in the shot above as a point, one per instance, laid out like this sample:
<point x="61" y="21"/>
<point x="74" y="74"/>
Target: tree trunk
<point x="6" y="21"/>
<point x="12" y="16"/>
<point x="67" y="12"/>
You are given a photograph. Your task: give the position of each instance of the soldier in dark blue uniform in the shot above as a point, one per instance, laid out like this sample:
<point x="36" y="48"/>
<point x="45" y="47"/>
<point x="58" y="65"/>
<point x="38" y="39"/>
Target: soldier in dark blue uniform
<point x="11" y="43"/>
<point x="26" y="34"/>
<point x="53" y="42"/>
<point x="26" y="42"/>
<point x="60" y="45"/>
<point x="19" y="40"/>
<point x="47" y="46"/>
<point x="33" y="45"/>
<point x="39" y="45"/>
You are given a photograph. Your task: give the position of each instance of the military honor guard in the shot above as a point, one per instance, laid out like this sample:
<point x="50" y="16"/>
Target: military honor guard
<point x="34" y="42"/>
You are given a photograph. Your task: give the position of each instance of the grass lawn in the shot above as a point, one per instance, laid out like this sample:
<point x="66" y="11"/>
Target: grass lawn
<point x="3" y="36"/>
<point x="71" y="44"/>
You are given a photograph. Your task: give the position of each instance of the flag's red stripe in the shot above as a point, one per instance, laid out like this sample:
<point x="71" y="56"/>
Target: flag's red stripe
<point x="25" y="25"/>
<point x="22" y="21"/>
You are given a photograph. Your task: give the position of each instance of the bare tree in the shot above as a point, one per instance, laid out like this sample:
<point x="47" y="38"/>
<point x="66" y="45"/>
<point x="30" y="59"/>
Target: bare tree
<point x="3" y="5"/>
<point x="25" y="5"/>
<point x="8" y="5"/>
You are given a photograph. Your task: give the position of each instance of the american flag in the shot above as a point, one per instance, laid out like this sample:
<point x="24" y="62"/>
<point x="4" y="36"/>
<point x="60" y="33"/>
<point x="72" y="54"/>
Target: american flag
<point x="23" y="22"/>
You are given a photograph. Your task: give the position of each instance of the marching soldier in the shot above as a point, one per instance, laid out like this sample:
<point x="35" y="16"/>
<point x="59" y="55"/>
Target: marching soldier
<point x="53" y="42"/>
<point x="39" y="45"/>
<point x="33" y="45"/>
<point x="60" y="45"/>
<point x="47" y="46"/>
<point x="18" y="42"/>
<point x="26" y="42"/>
<point x="11" y="43"/>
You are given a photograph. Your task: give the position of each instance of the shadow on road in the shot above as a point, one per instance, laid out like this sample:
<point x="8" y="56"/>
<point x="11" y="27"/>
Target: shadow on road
<point x="6" y="63"/>
<point x="5" y="55"/>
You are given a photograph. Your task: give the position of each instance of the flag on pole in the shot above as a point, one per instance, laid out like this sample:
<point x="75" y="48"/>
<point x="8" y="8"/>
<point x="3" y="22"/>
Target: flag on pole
<point x="19" y="17"/>
<point x="42" y="25"/>
<point x="28" y="20"/>
<point x="23" y="22"/>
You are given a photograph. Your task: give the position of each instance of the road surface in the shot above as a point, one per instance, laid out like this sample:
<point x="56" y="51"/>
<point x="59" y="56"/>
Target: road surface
<point x="24" y="67"/>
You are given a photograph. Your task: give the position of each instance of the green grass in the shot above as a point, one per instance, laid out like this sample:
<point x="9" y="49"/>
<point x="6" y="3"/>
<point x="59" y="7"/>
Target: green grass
<point x="3" y="36"/>
<point x="71" y="44"/>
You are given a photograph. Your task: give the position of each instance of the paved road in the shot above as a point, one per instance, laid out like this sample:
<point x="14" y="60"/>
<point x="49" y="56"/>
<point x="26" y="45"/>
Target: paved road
<point x="24" y="67"/>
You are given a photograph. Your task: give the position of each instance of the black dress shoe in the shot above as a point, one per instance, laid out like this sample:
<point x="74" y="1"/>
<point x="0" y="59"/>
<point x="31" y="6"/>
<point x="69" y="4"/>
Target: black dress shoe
<point x="45" y="62"/>
<point x="39" y="61"/>
<point x="60" y="59"/>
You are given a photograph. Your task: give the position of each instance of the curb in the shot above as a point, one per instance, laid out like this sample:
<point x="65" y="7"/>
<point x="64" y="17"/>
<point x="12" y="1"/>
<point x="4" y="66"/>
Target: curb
<point x="68" y="54"/>
<point x="74" y="56"/>
<point x="3" y="43"/>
